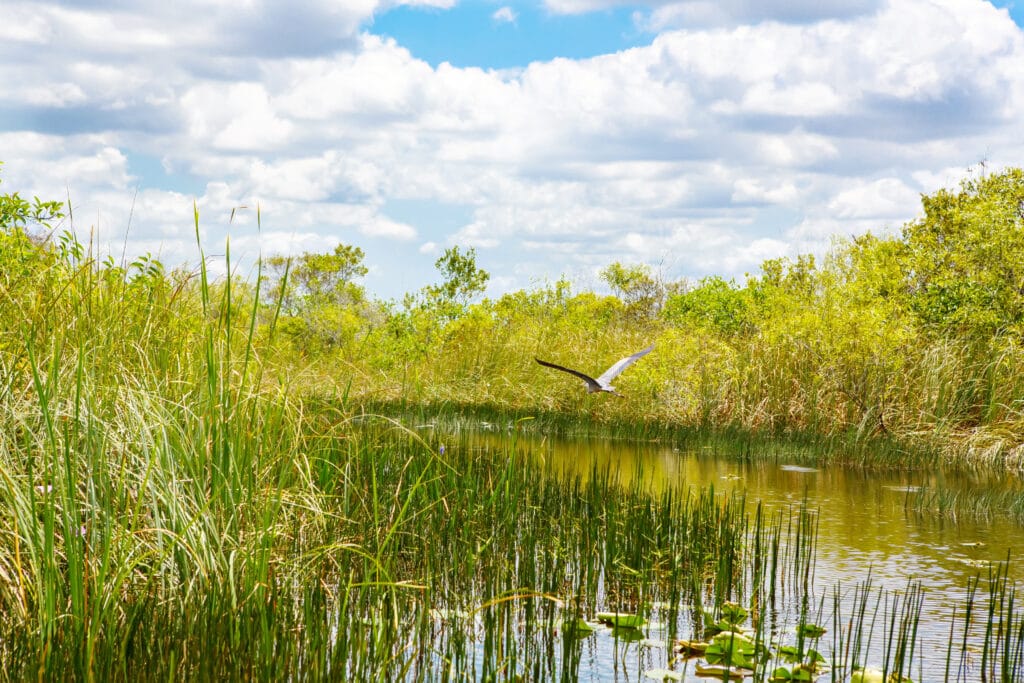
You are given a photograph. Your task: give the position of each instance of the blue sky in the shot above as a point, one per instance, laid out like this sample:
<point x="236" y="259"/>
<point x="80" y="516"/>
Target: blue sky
<point x="556" y="137"/>
<point x="507" y="35"/>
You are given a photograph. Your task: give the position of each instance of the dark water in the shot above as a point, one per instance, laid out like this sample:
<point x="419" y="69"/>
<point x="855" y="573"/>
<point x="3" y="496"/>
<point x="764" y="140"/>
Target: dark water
<point x="867" y="522"/>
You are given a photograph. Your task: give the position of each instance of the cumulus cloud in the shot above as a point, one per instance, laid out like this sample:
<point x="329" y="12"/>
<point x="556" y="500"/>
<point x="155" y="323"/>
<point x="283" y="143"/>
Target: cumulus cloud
<point x="743" y="131"/>
<point x="885" y="198"/>
<point x="505" y="15"/>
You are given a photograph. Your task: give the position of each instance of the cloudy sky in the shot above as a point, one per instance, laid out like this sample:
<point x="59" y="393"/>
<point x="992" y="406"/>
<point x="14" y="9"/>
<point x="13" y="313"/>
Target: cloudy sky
<point x="555" y="136"/>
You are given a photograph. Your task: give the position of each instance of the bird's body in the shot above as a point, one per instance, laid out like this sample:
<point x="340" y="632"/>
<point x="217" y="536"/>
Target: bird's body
<point x="603" y="382"/>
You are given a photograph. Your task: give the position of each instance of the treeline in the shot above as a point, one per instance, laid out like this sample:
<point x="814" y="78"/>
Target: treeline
<point x="914" y="335"/>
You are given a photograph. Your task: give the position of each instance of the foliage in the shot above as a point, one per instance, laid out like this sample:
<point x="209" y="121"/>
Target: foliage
<point x="715" y="304"/>
<point x="965" y="256"/>
<point x="639" y="290"/>
<point x="179" y="504"/>
<point x="912" y="336"/>
<point x="462" y="280"/>
<point x="314" y="280"/>
<point x="322" y="307"/>
<point x="19" y="213"/>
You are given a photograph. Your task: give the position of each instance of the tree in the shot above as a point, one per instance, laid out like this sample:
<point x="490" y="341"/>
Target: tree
<point x="317" y="280"/>
<point x="714" y="302"/>
<point x="639" y="290"/>
<point x="322" y="305"/>
<point x="463" y="280"/>
<point x="965" y="256"/>
<point x="24" y="257"/>
<point x="17" y="212"/>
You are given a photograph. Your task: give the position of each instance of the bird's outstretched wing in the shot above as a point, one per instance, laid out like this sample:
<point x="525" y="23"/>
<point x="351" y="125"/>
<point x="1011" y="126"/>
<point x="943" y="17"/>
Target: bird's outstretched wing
<point x="615" y="370"/>
<point x="586" y="378"/>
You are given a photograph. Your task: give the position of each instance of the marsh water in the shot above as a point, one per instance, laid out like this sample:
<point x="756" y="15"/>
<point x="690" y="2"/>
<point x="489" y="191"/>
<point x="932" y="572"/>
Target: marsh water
<point x="869" y="525"/>
<point x="866" y="519"/>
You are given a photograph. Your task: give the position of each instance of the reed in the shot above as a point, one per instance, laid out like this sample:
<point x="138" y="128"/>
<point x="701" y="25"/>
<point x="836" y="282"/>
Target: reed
<point x="174" y="510"/>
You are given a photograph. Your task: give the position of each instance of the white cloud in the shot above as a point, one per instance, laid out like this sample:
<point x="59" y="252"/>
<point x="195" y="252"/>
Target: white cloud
<point x="237" y="117"/>
<point x="23" y="24"/>
<point x="730" y="138"/>
<point x="795" y="148"/>
<point x="381" y="226"/>
<point x="885" y="198"/>
<point x="505" y="15"/>
<point x="756" y="190"/>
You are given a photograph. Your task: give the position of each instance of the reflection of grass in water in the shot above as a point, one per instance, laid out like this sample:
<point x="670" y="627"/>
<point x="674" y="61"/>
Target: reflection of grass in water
<point x="736" y="442"/>
<point x="739" y="445"/>
<point x="953" y="504"/>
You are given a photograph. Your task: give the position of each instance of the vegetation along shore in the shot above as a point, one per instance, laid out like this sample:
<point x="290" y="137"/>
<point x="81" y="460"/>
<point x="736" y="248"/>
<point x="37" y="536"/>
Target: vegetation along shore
<point x="191" y="485"/>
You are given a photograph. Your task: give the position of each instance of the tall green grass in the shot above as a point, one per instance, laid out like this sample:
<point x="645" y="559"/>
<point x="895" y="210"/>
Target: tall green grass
<point x="174" y="510"/>
<point x="924" y="398"/>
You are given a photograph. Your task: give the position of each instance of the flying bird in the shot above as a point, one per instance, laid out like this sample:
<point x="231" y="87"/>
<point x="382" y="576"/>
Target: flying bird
<point x="602" y="383"/>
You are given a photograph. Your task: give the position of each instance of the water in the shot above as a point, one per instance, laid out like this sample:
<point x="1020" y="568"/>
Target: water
<point x="866" y="519"/>
<point x="866" y="524"/>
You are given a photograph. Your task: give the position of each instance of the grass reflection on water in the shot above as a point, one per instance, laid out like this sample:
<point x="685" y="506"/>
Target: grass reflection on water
<point x="871" y="525"/>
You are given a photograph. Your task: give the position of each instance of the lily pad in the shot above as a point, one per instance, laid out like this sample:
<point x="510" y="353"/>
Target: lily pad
<point x="810" y="630"/>
<point x="720" y="672"/>
<point x="734" y="613"/>
<point x="578" y="627"/>
<point x="621" y="619"/>
<point x="629" y="635"/>
<point x="735" y="638"/>
<point x="872" y="675"/>
<point x="731" y="648"/>
<point x="868" y="675"/>
<point x="663" y="675"/>
<point x="797" y="674"/>
<point x="690" y="648"/>
<point x="789" y="653"/>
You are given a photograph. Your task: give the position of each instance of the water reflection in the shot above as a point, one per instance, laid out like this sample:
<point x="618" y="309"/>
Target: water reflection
<point x="866" y="518"/>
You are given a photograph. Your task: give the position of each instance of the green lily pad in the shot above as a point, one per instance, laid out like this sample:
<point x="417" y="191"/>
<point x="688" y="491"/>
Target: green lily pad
<point x="811" y="630"/>
<point x="798" y="674"/>
<point x="868" y="675"/>
<point x="734" y="613"/>
<point x="690" y="648"/>
<point x="790" y="654"/>
<point x="578" y="627"/>
<point x="621" y="619"/>
<point x="731" y="648"/>
<point x="734" y="639"/>
<point x="663" y="675"/>
<point x="872" y="675"/>
<point x="627" y="634"/>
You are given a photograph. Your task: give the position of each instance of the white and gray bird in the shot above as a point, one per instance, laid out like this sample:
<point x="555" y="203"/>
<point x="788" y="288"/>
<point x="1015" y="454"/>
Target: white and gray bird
<point x="603" y="382"/>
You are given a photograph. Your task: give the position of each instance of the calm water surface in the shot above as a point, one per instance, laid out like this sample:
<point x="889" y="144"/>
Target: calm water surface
<point x="866" y="521"/>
